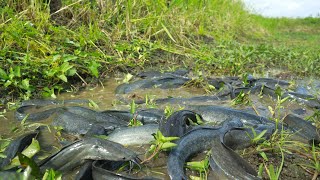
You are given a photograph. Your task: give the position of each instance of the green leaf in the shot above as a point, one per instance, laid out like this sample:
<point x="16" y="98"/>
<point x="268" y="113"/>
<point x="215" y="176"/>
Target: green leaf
<point x="26" y="161"/>
<point x="16" y="71"/>
<point x="4" y="144"/>
<point x="101" y="136"/>
<point x="3" y="155"/>
<point x="65" y="67"/>
<point x="56" y="57"/>
<point x="69" y="57"/>
<point x="71" y="72"/>
<point x="3" y="74"/>
<point x="25" y="84"/>
<point x="135" y="122"/>
<point x="51" y="175"/>
<point x="93" y="67"/>
<point x="32" y="149"/>
<point x="8" y="83"/>
<point x="200" y="166"/>
<point x="264" y="156"/>
<point x="132" y="107"/>
<point x="152" y="148"/>
<point x="284" y="99"/>
<point x="278" y="91"/>
<point x="260" y="170"/>
<point x="167" y="139"/>
<point x="24" y="119"/>
<point x="259" y="137"/>
<point x="93" y="104"/>
<point x="271" y="171"/>
<point x="168" y="145"/>
<point x="168" y="33"/>
<point x="47" y="92"/>
<point x="63" y="77"/>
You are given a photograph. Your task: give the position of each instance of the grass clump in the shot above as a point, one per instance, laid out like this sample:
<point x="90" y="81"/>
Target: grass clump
<point x="46" y="49"/>
<point x="43" y="52"/>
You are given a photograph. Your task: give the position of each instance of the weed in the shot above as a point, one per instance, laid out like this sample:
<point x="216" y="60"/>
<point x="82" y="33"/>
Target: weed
<point x="273" y="172"/>
<point x="315" y="163"/>
<point x="243" y="99"/>
<point x="161" y="143"/>
<point x="200" y="81"/>
<point x="201" y="166"/>
<point x="134" y="121"/>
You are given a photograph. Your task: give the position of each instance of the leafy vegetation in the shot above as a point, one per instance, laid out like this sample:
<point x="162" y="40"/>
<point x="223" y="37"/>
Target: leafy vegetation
<point x="42" y="53"/>
<point x="160" y="143"/>
<point x="201" y="166"/>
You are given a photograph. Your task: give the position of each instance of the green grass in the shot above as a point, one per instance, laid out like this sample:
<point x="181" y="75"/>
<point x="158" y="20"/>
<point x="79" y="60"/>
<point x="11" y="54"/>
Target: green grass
<point x="297" y="33"/>
<point x="42" y="54"/>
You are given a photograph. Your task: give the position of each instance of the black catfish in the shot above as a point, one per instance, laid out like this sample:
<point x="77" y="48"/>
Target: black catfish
<point x="78" y="152"/>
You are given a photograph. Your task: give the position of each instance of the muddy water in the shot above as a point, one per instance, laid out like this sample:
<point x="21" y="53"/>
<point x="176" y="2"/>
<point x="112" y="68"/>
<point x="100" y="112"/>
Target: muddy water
<point x="106" y="99"/>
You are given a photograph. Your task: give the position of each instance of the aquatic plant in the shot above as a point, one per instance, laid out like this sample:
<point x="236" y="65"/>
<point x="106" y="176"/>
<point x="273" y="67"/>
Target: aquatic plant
<point x="161" y="143"/>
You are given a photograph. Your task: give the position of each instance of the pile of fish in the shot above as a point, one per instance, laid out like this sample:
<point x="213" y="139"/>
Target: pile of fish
<point x="98" y="158"/>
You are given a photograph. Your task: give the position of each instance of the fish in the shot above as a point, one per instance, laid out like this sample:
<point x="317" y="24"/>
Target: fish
<point x="226" y="164"/>
<point x="197" y="140"/>
<point x="22" y="112"/>
<point x="138" y="135"/>
<point x="308" y="100"/>
<point x="268" y="82"/>
<point x="27" y="105"/>
<point x="195" y="99"/>
<point x="218" y="114"/>
<point x="302" y="128"/>
<point x="77" y="124"/>
<point x="76" y="154"/>
<point x="146" y="116"/>
<point x="164" y="82"/>
<point x="178" y="123"/>
<point x="85" y="171"/>
<point x="240" y="138"/>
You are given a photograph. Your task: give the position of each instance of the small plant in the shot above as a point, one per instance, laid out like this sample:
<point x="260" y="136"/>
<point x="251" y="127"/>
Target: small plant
<point x="257" y="138"/>
<point x="169" y="110"/>
<point x="275" y="111"/>
<point x="149" y="102"/>
<point x="201" y="166"/>
<point x="200" y="82"/>
<point x="273" y="172"/>
<point x="161" y="143"/>
<point x="315" y="162"/>
<point x="134" y="121"/>
<point x="243" y="99"/>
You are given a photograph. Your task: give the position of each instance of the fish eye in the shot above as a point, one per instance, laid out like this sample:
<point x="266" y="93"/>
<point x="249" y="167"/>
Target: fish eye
<point x="124" y="158"/>
<point x="95" y="146"/>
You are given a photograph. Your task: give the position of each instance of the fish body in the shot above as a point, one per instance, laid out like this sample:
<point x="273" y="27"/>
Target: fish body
<point x="195" y="141"/>
<point x="218" y="114"/>
<point x="78" y="152"/>
<point x="137" y="135"/>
